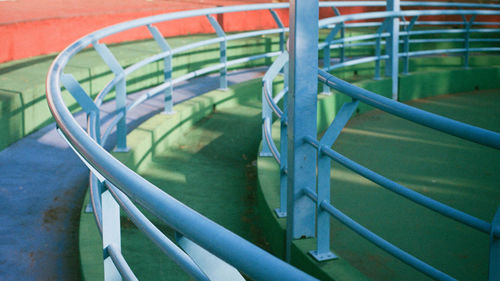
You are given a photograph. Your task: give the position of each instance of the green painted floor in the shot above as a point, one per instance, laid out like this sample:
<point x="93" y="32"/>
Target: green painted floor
<point x="212" y="170"/>
<point x="461" y="174"/>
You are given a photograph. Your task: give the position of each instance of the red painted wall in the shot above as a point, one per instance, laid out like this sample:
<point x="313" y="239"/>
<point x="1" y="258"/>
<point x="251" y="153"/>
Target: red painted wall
<point x="30" y="28"/>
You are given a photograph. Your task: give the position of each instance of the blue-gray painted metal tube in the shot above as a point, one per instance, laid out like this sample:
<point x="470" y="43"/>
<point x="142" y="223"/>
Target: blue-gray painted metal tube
<point x="416" y="197"/>
<point x="384" y="245"/>
<point x="358" y="61"/>
<point x="269" y="140"/>
<point x="136" y="66"/>
<point x="447" y="51"/>
<point x="158" y="89"/>
<point x="121" y="264"/>
<point x="95" y="201"/>
<point x="250" y="259"/>
<point x="379" y="15"/>
<point x="450" y="126"/>
<point x="270" y="100"/>
<point x="153" y="233"/>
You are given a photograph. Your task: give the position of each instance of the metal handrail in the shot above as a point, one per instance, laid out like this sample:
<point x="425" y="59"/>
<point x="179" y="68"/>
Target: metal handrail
<point x="251" y="260"/>
<point x="122" y="181"/>
<point x="431" y="120"/>
<point x="446" y="125"/>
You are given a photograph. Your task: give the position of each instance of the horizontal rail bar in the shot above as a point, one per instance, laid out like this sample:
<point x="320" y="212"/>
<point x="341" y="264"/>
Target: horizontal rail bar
<point x="448" y="51"/>
<point x="357" y="61"/>
<point x="155" y="235"/>
<point x="381" y="15"/>
<point x="443" y="124"/>
<point x="270" y="101"/>
<point x="384" y="245"/>
<point x="269" y="140"/>
<point x="280" y="95"/>
<point x="121" y="264"/>
<point x="449" y="31"/>
<point x="414" y="196"/>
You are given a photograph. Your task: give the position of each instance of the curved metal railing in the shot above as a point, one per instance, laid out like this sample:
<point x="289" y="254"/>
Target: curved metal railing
<point x="446" y="125"/>
<point x="113" y="185"/>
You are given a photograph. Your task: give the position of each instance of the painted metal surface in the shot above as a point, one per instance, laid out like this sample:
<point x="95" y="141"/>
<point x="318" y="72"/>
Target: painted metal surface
<point x="325" y="154"/>
<point x="167" y="68"/>
<point x="184" y="220"/>
<point x="299" y="151"/>
<point x="213" y="267"/>
<point x="301" y="118"/>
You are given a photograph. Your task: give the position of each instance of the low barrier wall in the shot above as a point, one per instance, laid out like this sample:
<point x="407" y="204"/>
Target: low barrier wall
<point x="23" y="108"/>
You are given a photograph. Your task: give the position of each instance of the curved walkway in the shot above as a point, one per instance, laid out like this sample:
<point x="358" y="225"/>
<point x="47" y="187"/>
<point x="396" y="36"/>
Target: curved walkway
<point x="42" y="184"/>
<point x="456" y="172"/>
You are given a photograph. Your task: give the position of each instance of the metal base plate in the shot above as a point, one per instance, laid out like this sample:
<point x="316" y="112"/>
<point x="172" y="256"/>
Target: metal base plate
<point x="279" y="213"/>
<point x="126" y="149"/>
<point x="265" y="154"/>
<point x="323" y="256"/>
<point x="88" y="209"/>
<point x="172" y="112"/>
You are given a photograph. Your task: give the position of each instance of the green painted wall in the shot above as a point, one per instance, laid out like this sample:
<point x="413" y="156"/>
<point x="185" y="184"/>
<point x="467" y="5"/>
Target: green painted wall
<point x="23" y="108"/>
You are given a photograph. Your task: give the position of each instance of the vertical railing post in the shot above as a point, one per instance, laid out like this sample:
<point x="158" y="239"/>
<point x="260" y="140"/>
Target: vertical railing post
<point x="302" y="110"/>
<point x="280" y="25"/>
<point x="494" y="266"/>
<point x="322" y="251"/>
<point x="393" y="46"/>
<point x="121" y="95"/>
<point x="167" y="68"/>
<point x="468" y="24"/>
<point x="266" y="114"/>
<point x="326" y="55"/>
<point x="378" y="48"/>
<point x="342" y="35"/>
<point x="281" y="211"/>
<point x="110" y="233"/>
<point x="223" y="50"/>
<point x="407" y="44"/>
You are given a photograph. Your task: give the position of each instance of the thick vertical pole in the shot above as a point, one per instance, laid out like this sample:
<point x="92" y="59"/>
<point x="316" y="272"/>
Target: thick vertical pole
<point x="281" y="211"/>
<point x="393" y="46"/>
<point x="302" y="112"/>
